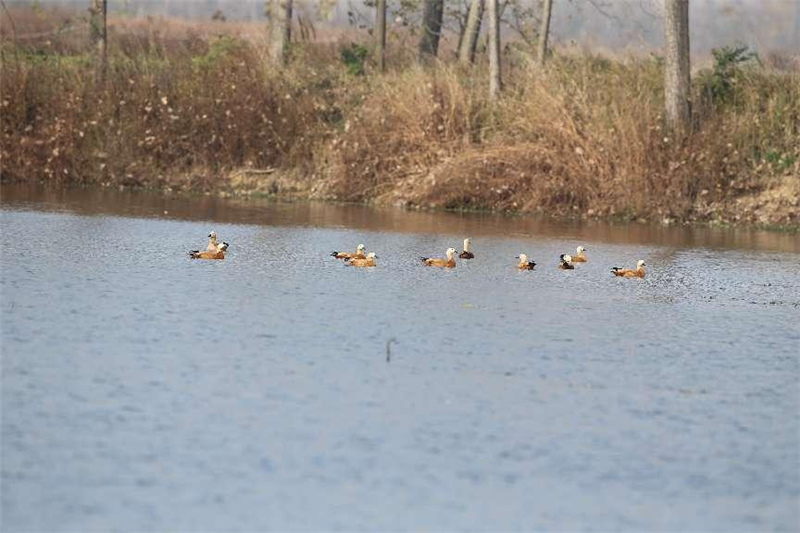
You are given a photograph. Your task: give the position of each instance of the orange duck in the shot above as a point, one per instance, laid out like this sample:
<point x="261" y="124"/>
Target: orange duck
<point x="368" y="261"/>
<point x="444" y="263"/>
<point x="630" y="273"/>
<point x="359" y="254"/>
<point x="219" y="253"/>
<point x="580" y="258"/>
<point x="524" y="264"/>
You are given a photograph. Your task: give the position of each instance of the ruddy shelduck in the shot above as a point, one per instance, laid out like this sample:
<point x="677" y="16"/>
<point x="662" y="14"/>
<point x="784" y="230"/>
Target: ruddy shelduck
<point x="466" y="254"/>
<point x="444" y="263"/>
<point x="212" y="242"/>
<point x="630" y="273"/>
<point x="580" y="258"/>
<point x="566" y="262"/>
<point x="524" y="264"/>
<point x="219" y="253"/>
<point x="359" y="254"/>
<point x="368" y="261"/>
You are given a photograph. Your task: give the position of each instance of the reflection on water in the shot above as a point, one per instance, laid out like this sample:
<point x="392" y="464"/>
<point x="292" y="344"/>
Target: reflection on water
<point x="144" y="391"/>
<point x="96" y="201"/>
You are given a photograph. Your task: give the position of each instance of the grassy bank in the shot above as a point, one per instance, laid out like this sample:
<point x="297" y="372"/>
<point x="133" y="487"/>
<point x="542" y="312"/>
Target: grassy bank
<point x="200" y="109"/>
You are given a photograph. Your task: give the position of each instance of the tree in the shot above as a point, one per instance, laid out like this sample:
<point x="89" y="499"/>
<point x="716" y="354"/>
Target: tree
<point x="98" y="34"/>
<point x="380" y="34"/>
<point x="544" y="31"/>
<point x="677" y="77"/>
<point x="494" y="50"/>
<point x="281" y="32"/>
<point x="466" y="53"/>
<point x="431" y="28"/>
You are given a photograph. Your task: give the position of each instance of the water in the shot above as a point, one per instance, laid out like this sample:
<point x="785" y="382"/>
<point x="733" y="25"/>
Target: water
<point x="144" y="391"/>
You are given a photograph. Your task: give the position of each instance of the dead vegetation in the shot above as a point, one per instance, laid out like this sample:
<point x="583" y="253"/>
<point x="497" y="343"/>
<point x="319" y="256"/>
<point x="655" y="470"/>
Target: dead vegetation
<point x="196" y="108"/>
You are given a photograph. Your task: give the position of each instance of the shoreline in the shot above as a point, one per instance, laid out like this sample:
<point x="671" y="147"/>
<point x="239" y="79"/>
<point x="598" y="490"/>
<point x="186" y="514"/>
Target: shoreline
<point x="300" y="194"/>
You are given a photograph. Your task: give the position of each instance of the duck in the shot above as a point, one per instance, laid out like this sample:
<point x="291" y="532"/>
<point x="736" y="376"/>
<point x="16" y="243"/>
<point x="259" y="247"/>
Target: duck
<point x="628" y="272"/>
<point x="445" y="263"/>
<point x="212" y="242"/>
<point x="219" y="253"/>
<point x="368" y="261"/>
<point x="359" y="254"/>
<point x="524" y="264"/>
<point x="580" y="258"/>
<point x="566" y="262"/>
<point x="466" y="254"/>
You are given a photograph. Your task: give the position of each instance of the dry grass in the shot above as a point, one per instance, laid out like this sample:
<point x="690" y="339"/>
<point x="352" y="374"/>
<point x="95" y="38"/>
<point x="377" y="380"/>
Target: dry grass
<point x="189" y="106"/>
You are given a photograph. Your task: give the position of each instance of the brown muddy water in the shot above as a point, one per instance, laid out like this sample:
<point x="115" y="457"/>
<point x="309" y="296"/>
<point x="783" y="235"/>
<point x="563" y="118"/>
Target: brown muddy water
<point x="144" y="391"/>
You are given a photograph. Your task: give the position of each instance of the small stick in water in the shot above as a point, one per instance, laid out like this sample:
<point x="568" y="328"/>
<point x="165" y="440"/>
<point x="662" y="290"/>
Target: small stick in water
<point x="389" y="349"/>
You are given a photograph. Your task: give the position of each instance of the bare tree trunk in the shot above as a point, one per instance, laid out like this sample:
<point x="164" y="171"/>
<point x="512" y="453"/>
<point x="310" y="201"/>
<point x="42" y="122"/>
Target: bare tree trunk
<point x="677" y="77"/>
<point x="431" y="28"/>
<point x="380" y="24"/>
<point x="544" y="31"/>
<point x="98" y="35"/>
<point x="494" y="50"/>
<point x="281" y="32"/>
<point x="466" y="52"/>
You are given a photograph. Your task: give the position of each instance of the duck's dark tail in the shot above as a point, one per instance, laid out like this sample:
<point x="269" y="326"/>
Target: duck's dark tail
<point x="423" y="259"/>
<point x="194" y="254"/>
<point x="334" y="254"/>
<point x="614" y="269"/>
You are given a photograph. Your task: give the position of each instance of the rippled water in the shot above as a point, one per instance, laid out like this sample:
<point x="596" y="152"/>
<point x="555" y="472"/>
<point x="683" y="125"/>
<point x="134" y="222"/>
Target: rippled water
<point x="142" y="390"/>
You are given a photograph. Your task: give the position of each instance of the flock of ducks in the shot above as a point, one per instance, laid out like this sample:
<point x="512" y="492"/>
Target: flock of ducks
<point x="360" y="259"/>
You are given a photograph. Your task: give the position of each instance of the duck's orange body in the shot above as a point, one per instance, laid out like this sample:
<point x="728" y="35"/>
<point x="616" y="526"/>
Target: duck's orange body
<point x="359" y="254"/>
<point x="628" y="272"/>
<point x="443" y="263"/>
<point x="345" y="255"/>
<point x="368" y="261"/>
<point x="196" y="254"/>
<point x="217" y="253"/>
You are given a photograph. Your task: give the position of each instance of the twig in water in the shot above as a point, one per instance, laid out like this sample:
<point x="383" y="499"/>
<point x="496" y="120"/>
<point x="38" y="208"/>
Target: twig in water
<point x="389" y="349"/>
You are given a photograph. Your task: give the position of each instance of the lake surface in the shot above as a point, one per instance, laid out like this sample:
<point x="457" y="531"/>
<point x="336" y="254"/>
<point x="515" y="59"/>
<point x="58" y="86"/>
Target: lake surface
<point x="144" y="391"/>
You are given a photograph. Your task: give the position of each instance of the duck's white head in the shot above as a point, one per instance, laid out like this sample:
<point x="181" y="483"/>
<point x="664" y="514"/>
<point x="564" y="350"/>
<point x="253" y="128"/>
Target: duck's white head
<point x="566" y="258"/>
<point x="450" y="252"/>
<point x="581" y="249"/>
<point x="371" y="255"/>
<point x="360" y="248"/>
<point x="523" y="258"/>
<point x="640" y="263"/>
<point x="466" y="244"/>
<point x="212" y="235"/>
<point x="222" y="247"/>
